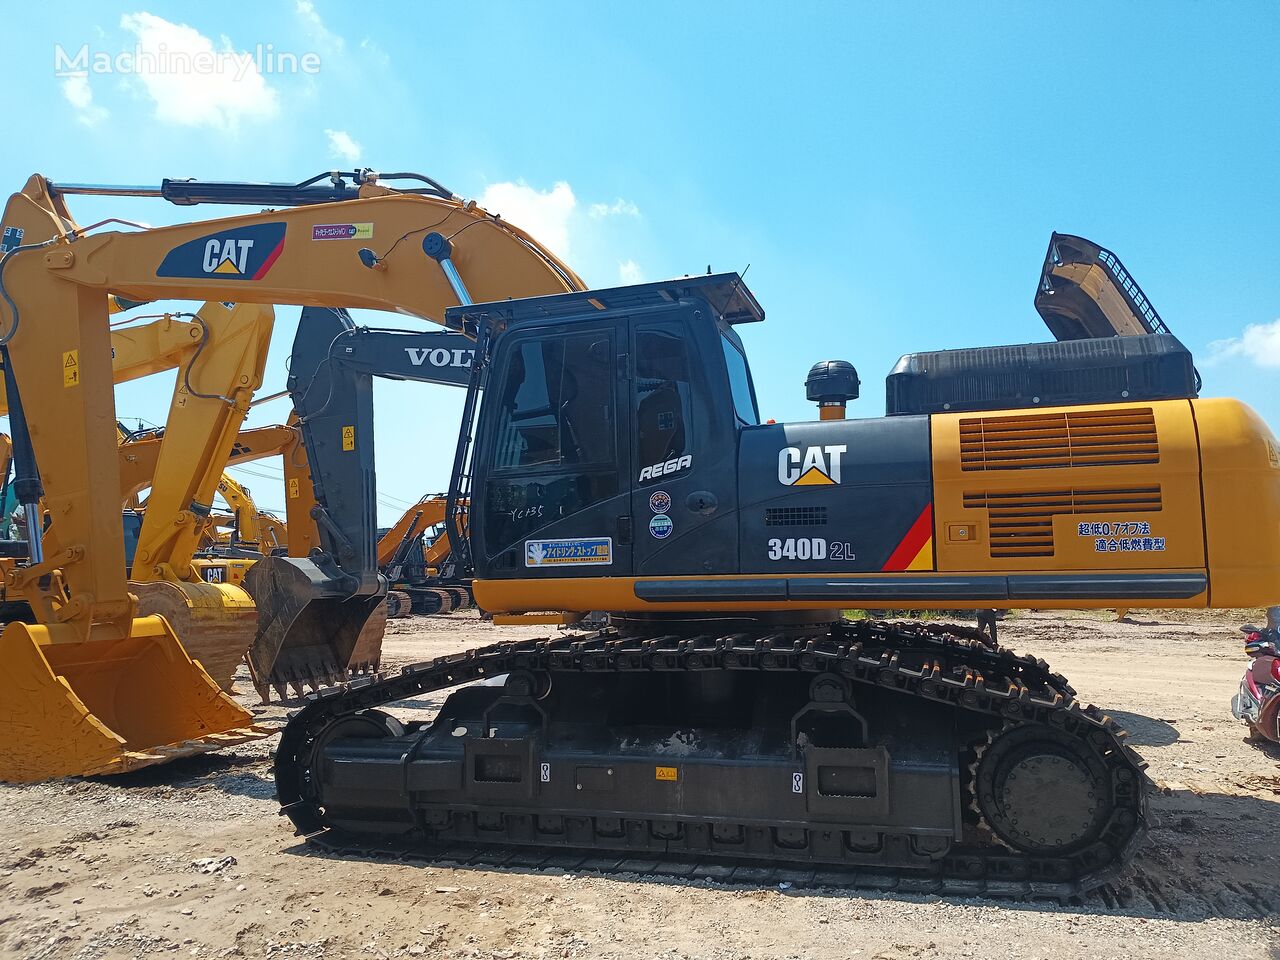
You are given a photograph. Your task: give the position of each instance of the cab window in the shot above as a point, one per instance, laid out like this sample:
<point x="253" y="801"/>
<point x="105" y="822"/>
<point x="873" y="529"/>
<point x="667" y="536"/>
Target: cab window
<point x="744" y="397"/>
<point x="554" y="454"/>
<point x="557" y="404"/>
<point x="664" y="396"/>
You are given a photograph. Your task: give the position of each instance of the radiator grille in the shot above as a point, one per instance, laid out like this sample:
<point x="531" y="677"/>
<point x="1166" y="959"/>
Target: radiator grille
<point x="1087" y="438"/>
<point x="795" y="516"/>
<point x="1021" y="523"/>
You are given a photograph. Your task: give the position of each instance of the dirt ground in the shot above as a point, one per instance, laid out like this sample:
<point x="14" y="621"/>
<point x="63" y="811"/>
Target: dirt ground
<point x="192" y="859"/>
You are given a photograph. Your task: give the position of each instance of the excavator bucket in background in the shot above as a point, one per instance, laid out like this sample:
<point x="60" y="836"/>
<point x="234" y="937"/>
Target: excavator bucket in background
<point x="107" y="706"/>
<point x="313" y="630"/>
<point x="216" y="621"/>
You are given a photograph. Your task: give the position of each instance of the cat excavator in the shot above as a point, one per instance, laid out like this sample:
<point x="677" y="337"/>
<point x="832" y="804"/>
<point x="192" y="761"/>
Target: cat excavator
<point x="215" y="622"/>
<point x="615" y="461"/>
<point x="95" y="687"/>
<point x="729" y="721"/>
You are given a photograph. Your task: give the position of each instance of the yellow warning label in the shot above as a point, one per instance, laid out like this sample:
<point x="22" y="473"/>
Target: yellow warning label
<point x="348" y="438"/>
<point x="293" y="488"/>
<point x="666" y="773"/>
<point x="71" y="368"/>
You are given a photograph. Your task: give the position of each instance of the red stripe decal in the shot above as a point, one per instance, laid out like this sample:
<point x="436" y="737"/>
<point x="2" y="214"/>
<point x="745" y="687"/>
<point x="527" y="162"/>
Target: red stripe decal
<point x="916" y="538"/>
<point x="271" y="258"/>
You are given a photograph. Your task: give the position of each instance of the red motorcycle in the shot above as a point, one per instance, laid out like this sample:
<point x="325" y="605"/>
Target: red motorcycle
<point x="1258" y="701"/>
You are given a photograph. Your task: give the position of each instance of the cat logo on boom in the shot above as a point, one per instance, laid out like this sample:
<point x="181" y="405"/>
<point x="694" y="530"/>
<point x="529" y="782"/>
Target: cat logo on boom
<point x="241" y="253"/>
<point x="810" y="466"/>
<point x="226" y="256"/>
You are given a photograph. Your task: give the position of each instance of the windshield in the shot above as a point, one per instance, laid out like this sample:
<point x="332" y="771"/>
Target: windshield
<point x="744" y="397"/>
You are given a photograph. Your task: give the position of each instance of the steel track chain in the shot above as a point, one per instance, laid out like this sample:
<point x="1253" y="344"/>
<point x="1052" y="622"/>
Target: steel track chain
<point x="950" y="664"/>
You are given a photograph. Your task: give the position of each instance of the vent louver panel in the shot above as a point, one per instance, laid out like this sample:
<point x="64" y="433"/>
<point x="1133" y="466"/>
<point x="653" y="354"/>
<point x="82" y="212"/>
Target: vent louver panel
<point x="795" y="516"/>
<point x="1021" y="523"/>
<point x="1086" y="438"/>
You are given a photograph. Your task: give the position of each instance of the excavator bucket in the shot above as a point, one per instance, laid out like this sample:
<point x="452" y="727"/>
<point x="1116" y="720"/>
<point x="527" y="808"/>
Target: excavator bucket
<point x="313" y="631"/>
<point x="216" y="621"/>
<point x="107" y="706"/>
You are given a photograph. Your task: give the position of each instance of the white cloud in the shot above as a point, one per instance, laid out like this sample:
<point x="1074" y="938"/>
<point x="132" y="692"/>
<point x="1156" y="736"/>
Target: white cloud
<point x="342" y="146"/>
<point x="629" y="272"/>
<point x="320" y="34"/>
<point x="192" y="82"/>
<point x="1259" y="343"/>
<point x="80" y="95"/>
<point x="618" y="208"/>
<point x="375" y="52"/>
<point x="544" y="214"/>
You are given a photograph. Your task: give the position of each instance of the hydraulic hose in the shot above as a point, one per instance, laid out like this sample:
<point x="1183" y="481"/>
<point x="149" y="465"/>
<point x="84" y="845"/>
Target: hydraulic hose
<point x="27" y="487"/>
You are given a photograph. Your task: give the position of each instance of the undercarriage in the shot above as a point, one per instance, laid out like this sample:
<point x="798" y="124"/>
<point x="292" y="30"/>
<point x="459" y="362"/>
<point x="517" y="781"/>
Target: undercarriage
<point x="854" y="753"/>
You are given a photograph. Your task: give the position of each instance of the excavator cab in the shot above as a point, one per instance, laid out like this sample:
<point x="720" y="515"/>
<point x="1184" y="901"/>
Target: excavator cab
<point x="610" y="432"/>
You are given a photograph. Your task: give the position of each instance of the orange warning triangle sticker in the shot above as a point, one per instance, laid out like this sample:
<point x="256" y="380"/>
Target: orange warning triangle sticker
<point x="813" y="477"/>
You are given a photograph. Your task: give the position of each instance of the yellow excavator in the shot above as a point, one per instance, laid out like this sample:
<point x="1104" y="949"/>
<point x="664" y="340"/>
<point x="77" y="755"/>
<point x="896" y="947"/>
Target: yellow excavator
<point x="615" y="460"/>
<point x="94" y="686"/>
<point x="413" y="567"/>
<point x="220" y="353"/>
<point x="249" y="528"/>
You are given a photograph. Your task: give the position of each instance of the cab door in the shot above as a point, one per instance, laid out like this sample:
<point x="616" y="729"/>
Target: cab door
<point x="684" y="448"/>
<point x="553" y="456"/>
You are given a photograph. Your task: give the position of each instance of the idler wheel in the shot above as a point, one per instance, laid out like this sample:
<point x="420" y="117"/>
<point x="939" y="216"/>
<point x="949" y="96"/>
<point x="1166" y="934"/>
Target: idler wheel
<point x="1042" y="792"/>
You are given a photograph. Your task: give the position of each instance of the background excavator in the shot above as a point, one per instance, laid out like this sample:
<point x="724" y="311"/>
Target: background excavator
<point x="414" y="567"/>
<point x="215" y="622"/>
<point x="616" y="461"/>
<point x="313" y="611"/>
<point x="249" y="530"/>
<point x="103" y="689"/>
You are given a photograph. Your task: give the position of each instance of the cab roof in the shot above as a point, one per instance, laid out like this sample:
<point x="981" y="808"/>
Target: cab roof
<point x="725" y="293"/>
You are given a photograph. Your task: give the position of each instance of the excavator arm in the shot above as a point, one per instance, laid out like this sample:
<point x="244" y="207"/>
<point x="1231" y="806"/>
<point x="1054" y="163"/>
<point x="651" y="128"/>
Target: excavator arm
<point x="143" y="349"/>
<point x="413" y="523"/>
<point x="244" y="512"/>
<point x="209" y="404"/>
<point x="315" y="613"/>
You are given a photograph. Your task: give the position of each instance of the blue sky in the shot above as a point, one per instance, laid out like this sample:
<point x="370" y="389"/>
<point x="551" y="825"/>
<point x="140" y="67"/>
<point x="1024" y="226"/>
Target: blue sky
<point x="891" y="173"/>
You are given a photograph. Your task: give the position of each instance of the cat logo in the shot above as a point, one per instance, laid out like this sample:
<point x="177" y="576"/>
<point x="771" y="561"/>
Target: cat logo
<point x="226" y="256"/>
<point x="812" y="466"/>
<point x="241" y="253"/>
